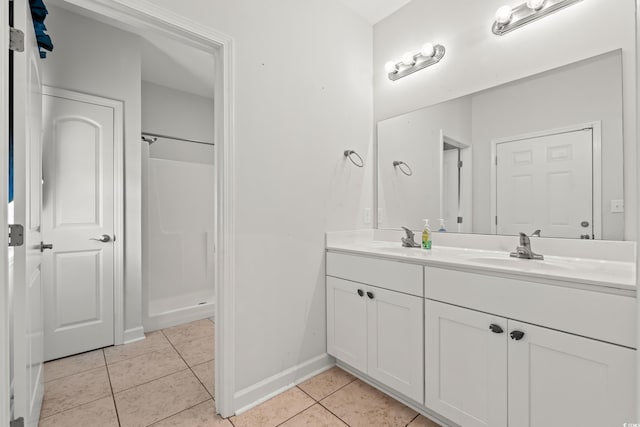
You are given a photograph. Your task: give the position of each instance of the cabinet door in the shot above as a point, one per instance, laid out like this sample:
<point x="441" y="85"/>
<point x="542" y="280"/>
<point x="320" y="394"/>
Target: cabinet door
<point x="559" y="379"/>
<point x="347" y="322"/>
<point x="395" y="336"/>
<point x="466" y="365"/>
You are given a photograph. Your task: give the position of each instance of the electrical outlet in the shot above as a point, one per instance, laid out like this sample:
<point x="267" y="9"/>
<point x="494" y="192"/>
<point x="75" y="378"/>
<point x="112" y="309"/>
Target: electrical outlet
<point x="617" y="206"/>
<point x="367" y="216"/>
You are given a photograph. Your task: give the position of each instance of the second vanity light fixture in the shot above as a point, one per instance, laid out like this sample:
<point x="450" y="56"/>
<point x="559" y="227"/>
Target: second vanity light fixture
<point x="412" y="62"/>
<point x="508" y="18"/>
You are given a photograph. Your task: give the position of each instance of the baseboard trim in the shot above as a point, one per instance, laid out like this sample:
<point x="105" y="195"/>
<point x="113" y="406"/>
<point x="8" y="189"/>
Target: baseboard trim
<point x="416" y="406"/>
<point x="133" y="335"/>
<point x="178" y="317"/>
<point x="254" y="395"/>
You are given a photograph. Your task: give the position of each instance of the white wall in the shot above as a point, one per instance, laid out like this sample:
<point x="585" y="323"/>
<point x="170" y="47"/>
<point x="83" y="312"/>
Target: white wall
<point x="476" y="59"/>
<point x="177" y="113"/>
<point x="94" y="58"/>
<point x="303" y="95"/>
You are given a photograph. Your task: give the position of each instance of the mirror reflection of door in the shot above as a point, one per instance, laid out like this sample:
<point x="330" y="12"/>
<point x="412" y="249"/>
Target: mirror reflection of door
<point x="451" y="186"/>
<point x="546" y="183"/>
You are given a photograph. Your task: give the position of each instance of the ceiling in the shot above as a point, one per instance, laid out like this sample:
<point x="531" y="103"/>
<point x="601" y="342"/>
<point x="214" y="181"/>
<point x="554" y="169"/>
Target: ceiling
<point x="164" y="61"/>
<point x="375" y="11"/>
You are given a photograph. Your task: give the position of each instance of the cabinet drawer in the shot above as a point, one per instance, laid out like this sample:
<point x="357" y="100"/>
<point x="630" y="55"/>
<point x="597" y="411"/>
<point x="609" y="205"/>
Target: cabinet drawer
<point x="396" y="276"/>
<point x="601" y="316"/>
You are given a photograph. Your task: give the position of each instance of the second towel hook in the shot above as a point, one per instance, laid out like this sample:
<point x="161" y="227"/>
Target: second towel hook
<point x="404" y="168"/>
<point x="352" y="155"/>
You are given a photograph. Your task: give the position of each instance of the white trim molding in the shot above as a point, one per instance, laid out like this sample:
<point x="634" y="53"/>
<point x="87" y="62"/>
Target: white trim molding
<point x="5" y="393"/>
<point x="145" y="15"/>
<point x="133" y="335"/>
<point x="266" y="389"/>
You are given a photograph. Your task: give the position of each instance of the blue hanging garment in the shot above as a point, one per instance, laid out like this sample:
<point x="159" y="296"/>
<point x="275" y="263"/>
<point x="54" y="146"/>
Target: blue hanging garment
<point x="38" y="14"/>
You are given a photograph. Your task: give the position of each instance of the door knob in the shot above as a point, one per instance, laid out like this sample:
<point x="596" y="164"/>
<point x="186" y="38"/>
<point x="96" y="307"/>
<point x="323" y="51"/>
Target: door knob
<point x="44" y="246"/>
<point x="104" y="238"/>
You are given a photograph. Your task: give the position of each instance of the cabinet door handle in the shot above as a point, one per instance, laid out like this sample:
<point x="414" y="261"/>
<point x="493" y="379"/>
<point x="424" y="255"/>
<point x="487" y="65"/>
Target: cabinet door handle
<point x="360" y="292"/>
<point x="517" y="335"/>
<point x="496" y="329"/>
<point x="370" y="295"/>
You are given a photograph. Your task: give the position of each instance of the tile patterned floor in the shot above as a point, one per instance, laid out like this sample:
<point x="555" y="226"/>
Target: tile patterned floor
<point x="167" y="380"/>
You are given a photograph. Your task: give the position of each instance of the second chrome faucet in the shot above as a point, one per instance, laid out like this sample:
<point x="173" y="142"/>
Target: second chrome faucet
<point x="524" y="249"/>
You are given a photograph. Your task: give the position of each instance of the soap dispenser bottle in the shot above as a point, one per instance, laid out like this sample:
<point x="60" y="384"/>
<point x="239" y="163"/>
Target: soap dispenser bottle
<point x="443" y="227"/>
<point x="426" y="235"/>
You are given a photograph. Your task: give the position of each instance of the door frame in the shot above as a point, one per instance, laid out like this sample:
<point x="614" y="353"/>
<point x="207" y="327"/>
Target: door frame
<point x="118" y="196"/>
<point x="465" y="209"/>
<point x="144" y="14"/>
<point x="596" y="177"/>
<point x="5" y="410"/>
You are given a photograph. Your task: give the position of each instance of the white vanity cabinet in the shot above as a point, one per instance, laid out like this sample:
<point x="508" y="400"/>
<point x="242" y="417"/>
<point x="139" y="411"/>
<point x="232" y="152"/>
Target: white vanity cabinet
<point x="488" y="370"/>
<point x="377" y="330"/>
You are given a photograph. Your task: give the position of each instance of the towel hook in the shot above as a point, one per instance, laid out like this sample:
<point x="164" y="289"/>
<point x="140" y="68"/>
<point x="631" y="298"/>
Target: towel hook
<point x="349" y="154"/>
<point x="405" y="170"/>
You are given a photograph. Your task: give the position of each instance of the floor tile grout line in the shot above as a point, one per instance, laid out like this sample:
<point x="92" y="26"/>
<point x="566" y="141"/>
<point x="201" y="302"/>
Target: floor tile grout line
<point x="74" y="407"/>
<point x="337" y="390"/>
<point x="113" y="396"/>
<point x="293" y="416"/>
<point x="177" y="413"/>
<point x="198" y="378"/>
<point x="413" y="419"/>
<point x="333" y="413"/>
<point x="321" y="405"/>
<point x="150" y="381"/>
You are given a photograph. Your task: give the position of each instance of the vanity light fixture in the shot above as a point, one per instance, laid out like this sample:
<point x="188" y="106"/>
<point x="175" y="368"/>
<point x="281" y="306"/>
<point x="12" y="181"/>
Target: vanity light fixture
<point x="412" y="62"/>
<point x="508" y="18"/>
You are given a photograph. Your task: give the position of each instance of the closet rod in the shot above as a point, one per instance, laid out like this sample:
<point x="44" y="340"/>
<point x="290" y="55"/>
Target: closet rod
<point x="157" y="135"/>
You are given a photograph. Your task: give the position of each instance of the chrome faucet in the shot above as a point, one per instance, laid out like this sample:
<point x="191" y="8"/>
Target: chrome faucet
<point x="408" y="241"/>
<point x="524" y="249"/>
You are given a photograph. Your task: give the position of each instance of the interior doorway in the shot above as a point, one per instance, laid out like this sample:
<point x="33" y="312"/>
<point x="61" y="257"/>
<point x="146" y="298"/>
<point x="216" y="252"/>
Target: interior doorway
<point x="148" y="18"/>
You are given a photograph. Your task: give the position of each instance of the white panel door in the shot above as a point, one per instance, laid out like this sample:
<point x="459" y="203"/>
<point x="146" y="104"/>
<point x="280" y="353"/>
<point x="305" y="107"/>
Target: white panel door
<point x="347" y="322"/>
<point x="546" y="183"/>
<point x="466" y="365"/>
<point x="395" y="341"/>
<point x="26" y="283"/>
<point x="559" y="379"/>
<point x="78" y="211"/>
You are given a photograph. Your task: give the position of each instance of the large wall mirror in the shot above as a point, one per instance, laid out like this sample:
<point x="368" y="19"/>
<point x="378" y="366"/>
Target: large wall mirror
<point x="541" y="153"/>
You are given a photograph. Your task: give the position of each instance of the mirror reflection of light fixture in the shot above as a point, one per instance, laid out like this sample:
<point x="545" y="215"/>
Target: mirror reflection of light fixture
<point x="508" y="19"/>
<point x="410" y="63"/>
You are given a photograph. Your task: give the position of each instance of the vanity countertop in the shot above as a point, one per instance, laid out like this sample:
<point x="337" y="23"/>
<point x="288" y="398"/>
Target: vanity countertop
<point x="593" y="274"/>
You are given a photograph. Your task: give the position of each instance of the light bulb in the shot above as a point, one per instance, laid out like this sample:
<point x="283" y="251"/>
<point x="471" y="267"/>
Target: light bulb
<point x="503" y="15"/>
<point x="535" y="4"/>
<point x="407" y="58"/>
<point x="390" y="67"/>
<point x="427" y="50"/>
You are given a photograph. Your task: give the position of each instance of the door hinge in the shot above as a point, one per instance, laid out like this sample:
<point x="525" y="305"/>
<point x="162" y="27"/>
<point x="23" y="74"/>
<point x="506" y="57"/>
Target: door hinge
<point x="16" y="40"/>
<point x="459" y="220"/>
<point x="17" y="423"/>
<point x="460" y="164"/>
<point x="496" y="220"/>
<point x="16" y="235"/>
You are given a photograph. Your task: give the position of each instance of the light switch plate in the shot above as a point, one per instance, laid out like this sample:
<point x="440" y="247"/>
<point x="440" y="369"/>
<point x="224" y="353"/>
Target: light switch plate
<point x="367" y="216"/>
<point x="617" y="206"/>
